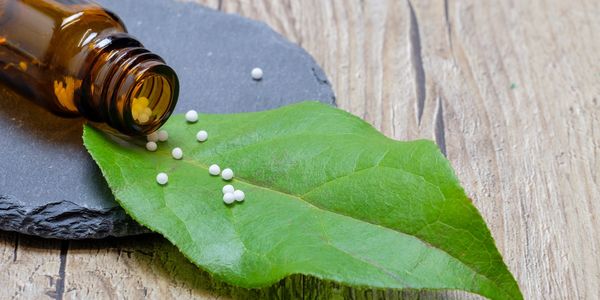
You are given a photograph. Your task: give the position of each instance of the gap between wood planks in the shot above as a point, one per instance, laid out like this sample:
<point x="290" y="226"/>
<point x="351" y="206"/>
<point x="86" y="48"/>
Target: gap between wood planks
<point x="60" y="283"/>
<point x="421" y="79"/>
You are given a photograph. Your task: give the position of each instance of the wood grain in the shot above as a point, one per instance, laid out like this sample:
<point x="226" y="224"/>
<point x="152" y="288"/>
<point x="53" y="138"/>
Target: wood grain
<point x="510" y="90"/>
<point x="30" y="267"/>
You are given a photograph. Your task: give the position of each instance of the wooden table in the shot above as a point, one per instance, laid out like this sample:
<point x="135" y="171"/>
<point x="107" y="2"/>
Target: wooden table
<point x="510" y="90"/>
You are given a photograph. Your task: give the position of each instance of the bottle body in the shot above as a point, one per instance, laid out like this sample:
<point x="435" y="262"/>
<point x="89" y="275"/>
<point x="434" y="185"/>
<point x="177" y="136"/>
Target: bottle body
<point x="76" y="59"/>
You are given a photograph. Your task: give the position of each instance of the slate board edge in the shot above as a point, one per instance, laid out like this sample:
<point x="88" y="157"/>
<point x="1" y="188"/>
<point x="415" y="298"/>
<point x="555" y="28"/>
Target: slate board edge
<point x="66" y="220"/>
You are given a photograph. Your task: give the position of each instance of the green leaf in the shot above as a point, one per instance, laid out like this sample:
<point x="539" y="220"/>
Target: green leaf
<point x="326" y="195"/>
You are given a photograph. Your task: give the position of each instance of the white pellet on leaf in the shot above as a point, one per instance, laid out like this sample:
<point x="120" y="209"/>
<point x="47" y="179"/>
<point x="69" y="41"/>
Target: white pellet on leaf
<point x="191" y="116"/>
<point x="153" y="137"/>
<point x="228" y="198"/>
<point x="239" y="195"/>
<point x="228" y="189"/>
<point x="162" y="178"/>
<point x="227" y="174"/>
<point x="177" y="153"/>
<point x="214" y="170"/>
<point x="163" y="135"/>
<point x="151" y="146"/>
<point x="202" y="136"/>
<point x="257" y="73"/>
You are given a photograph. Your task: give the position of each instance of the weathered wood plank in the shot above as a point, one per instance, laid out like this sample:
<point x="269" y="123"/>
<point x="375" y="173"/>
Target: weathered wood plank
<point x="144" y="267"/>
<point x="29" y="267"/>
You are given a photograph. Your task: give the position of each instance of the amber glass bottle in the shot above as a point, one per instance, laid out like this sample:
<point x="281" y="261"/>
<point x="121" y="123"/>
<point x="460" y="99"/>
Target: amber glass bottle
<point x="76" y="59"/>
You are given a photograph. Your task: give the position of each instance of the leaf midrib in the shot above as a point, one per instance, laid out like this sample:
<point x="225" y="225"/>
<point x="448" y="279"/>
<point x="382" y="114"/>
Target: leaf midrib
<point x="197" y="163"/>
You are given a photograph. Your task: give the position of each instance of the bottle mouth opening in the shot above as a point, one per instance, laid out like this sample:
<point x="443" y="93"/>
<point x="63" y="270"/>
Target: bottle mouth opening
<point x="151" y="100"/>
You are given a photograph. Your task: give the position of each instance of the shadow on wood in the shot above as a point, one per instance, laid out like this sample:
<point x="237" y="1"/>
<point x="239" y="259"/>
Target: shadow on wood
<point x="152" y="254"/>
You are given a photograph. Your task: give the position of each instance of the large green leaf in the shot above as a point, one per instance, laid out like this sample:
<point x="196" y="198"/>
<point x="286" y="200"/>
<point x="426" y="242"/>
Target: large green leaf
<point x="326" y="195"/>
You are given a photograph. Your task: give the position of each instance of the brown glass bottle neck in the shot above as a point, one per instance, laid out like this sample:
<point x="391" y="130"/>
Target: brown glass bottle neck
<point x="116" y="65"/>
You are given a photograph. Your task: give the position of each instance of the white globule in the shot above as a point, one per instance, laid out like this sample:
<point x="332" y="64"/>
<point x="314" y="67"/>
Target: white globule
<point x="153" y="137"/>
<point x="151" y="146"/>
<point x="202" y="136"/>
<point x="162" y="135"/>
<point x="227" y="174"/>
<point x="177" y="153"/>
<point x="239" y="195"/>
<point x="191" y="116"/>
<point x="228" y="198"/>
<point x="257" y="73"/>
<point x="162" y="178"/>
<point x="228" y="189"/>
<point x="214" y="170"/>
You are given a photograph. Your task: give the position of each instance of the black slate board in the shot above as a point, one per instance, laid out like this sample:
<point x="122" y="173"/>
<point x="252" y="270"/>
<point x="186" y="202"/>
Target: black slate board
<point x="50" y="187"/>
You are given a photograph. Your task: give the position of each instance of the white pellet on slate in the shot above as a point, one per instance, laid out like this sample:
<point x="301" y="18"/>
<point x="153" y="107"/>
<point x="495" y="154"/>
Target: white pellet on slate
<point x="257" y="73"/>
